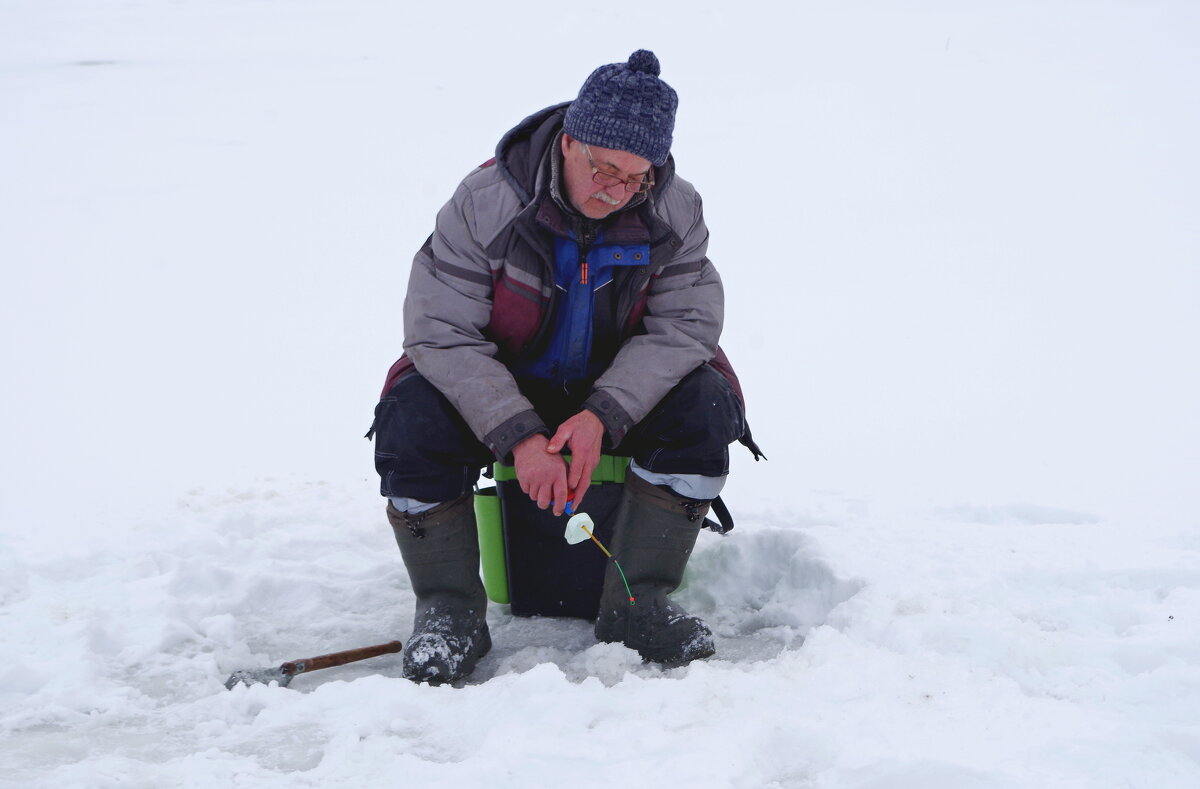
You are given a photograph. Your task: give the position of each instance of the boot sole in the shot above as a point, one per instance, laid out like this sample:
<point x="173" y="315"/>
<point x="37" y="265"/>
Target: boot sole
<point x="611" y="633"/>
<point x="668" y="660"/>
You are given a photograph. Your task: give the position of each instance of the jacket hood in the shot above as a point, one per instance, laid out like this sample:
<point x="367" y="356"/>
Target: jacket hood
<point x="521" y="151"/>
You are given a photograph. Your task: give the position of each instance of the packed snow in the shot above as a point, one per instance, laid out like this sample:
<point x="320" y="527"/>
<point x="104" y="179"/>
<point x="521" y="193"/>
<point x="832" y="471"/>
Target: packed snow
<point x="960" y="250"/>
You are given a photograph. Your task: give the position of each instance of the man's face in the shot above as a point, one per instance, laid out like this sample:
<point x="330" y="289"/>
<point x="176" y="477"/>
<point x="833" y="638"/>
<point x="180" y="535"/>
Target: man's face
<point x="588" y="197"/>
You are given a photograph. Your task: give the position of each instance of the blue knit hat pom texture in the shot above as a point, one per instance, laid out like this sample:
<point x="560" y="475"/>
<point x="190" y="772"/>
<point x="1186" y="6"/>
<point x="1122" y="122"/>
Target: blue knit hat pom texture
<point x="626" y="107"/>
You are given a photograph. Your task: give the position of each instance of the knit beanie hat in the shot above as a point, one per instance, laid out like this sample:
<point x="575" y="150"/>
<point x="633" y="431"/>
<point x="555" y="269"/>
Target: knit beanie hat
<point x="626" y="107"/>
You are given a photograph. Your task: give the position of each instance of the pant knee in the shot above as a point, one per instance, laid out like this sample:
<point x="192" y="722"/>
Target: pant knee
<point x="423" y="448"/>
<point x="690" y="430"/>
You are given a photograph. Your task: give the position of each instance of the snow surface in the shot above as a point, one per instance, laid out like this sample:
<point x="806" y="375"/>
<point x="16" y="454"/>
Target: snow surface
<point x="960" y="247"/>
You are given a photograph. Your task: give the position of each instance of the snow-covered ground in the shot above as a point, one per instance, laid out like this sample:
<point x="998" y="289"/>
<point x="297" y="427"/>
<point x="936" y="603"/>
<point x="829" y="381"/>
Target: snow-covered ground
<point x="960" y="249"/>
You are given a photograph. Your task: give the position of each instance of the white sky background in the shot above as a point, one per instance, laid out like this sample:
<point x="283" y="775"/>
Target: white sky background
<point x="958" y="239"/>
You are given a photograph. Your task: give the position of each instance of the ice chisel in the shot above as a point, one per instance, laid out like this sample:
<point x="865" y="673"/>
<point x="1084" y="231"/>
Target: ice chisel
<point x="286" y="671"/>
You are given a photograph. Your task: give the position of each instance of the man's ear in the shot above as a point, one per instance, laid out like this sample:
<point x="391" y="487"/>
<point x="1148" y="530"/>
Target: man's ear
<point x="566" y="143"/>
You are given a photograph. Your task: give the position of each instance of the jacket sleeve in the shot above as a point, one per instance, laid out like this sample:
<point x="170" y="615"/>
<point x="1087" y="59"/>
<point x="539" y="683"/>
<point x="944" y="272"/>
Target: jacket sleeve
<point x="685" y="311"/>
<point x="446" y="310"/>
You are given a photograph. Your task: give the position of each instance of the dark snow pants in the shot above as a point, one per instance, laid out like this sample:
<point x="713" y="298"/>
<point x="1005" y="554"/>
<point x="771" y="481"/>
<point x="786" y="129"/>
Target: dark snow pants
<point x="424" y="449"/>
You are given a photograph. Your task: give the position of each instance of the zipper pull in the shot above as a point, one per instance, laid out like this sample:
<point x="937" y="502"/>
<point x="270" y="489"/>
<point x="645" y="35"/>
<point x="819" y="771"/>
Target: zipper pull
<point x="583" y="273"/>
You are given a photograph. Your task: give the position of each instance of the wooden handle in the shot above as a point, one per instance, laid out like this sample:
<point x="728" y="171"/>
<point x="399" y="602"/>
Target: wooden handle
<point x="339" y="658"/>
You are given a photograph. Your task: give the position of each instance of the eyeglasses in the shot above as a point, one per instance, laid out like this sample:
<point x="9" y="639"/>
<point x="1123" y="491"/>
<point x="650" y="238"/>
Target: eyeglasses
<point x="645" y="184"/>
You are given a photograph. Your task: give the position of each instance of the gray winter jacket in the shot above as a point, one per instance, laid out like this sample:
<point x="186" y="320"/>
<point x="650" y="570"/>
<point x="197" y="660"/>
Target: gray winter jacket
<point x="481" y="292"/>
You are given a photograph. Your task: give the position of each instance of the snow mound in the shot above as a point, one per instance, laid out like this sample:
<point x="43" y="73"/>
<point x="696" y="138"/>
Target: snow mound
<point x="761" y="589"/>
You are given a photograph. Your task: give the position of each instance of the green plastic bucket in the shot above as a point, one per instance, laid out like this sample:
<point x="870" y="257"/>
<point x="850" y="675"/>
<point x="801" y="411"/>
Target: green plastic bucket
<point x="491" y="544"/>
<point x="525" y="562"/>
<point x="611" y="468"/>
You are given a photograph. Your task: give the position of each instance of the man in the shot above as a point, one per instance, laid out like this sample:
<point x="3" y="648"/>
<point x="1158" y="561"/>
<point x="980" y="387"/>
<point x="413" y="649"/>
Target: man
<point x="563" y="304"/>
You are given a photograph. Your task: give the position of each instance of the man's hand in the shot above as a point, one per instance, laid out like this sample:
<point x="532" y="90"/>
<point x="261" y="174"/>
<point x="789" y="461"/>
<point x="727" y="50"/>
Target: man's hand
<point x="582" y="434"/>
<point x="541" y="473"/>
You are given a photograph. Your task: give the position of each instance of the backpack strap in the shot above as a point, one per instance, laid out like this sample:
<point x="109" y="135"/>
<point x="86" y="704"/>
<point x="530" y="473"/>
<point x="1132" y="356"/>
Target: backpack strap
<point x="724" y="522"/>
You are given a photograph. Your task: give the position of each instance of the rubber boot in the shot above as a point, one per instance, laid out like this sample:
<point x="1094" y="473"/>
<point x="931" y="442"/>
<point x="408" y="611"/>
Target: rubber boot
<point x="441" y="552"/>
<point x="654" y="531"/>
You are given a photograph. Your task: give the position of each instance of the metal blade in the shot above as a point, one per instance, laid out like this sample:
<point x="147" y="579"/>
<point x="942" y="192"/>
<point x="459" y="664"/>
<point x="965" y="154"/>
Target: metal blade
<point x="264" y="676"/>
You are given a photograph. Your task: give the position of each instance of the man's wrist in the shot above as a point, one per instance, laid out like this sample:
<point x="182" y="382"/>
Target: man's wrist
<point x="535" y="443"/>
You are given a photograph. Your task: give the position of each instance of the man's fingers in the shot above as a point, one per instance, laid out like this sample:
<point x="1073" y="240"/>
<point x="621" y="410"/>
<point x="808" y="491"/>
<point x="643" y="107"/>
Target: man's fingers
<point x="577" y="502"/>
<point x="560" y="495"/>
<point x="559" y="440"/>
<point x="544" y="494"/>
<point x="577" y="473"/>
<point x="579" y="479"/>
